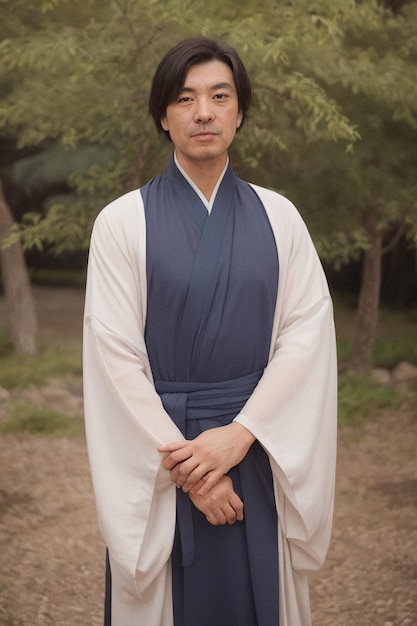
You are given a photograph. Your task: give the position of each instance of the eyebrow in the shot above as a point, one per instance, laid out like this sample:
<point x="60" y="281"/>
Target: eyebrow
<point x="215" y="87"/>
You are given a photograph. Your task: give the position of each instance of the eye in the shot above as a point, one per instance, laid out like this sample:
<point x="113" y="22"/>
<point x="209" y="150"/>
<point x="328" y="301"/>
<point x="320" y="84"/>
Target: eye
<point x="220" y="96"/>
<point x="184" y="99"/>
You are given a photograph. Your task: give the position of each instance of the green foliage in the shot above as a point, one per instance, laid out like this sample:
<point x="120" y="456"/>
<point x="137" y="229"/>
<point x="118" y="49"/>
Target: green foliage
<point x="344" y="348"/>
<point x="341" y="247"/>
<point x="333" y="126"/>
<point x="30" y="419"/>
<point x="6" y="345"/>
<point x="360" y="397"/>
<point x="54" y="230"/>
<point x="58" y="277"/>
<point x="388" y="352"/>
<point x="22" y="372"/>
<point x="374" y="75"/>
<point x="82" y="78"/>
<point x="58" y="163"/>
<point x="396" y="339"/>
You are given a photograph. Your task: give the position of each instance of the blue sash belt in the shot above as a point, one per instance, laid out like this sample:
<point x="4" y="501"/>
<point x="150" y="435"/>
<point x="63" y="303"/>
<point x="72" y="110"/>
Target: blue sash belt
<point x="185" y="401"/>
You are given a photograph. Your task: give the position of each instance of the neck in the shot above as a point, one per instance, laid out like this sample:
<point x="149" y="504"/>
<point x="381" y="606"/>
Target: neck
<point x="204" y="174"/>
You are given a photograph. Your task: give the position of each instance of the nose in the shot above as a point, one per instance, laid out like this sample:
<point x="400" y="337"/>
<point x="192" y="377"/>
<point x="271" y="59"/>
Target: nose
<point x="204" y="111"/>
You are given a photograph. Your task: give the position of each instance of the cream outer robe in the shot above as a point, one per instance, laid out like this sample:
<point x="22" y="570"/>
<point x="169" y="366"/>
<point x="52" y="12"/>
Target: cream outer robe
<point x="292" y="412"/>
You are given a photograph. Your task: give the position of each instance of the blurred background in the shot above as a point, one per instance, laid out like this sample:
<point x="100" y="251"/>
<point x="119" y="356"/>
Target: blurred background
<point x="334" y="128"/>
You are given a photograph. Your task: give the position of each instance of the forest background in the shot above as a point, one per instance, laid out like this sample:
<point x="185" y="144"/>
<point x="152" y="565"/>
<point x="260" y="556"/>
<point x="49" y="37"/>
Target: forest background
<point x="333" y="127"/>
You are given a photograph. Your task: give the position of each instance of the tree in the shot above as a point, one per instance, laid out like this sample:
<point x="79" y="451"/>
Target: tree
<point x="321" y="72"/>
<point x="371" y="69"/>
<point x="19" y="300"/>
<point x="84" y="77"/>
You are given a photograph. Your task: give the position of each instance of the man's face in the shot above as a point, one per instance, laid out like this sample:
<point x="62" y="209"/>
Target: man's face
<point x="203" y="120"/>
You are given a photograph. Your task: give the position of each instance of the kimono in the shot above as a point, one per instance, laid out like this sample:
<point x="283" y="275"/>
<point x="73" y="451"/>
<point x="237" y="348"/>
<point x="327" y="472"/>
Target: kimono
<point x="290" y="407"/>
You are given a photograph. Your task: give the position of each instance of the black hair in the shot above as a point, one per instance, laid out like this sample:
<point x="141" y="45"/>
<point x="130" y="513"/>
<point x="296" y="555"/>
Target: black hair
<point x="171" y="73"/>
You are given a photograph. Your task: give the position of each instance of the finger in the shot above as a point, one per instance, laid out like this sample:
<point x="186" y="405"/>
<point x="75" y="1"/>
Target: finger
<point x="181" y="471"/>
<point x="239" y="515"/>
<point x="237" y="505"/>
<point x="173" y="445"/>
<point x="174" y="473"/>
<point x="210" y="518"/>
<point x="179" y="456"/>
<point x="230" y="514"/>
<point x="193" y="477"/>
<point x="209" y="480"/>
<point x="197" y="486"/>
<point x="237" y="508"/>
<point x="221" y="517"/>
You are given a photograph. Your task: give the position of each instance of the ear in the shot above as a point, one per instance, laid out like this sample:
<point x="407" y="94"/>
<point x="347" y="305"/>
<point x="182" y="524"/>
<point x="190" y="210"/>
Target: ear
<point x="164" y="123"/>
<point x="239" y="119"/>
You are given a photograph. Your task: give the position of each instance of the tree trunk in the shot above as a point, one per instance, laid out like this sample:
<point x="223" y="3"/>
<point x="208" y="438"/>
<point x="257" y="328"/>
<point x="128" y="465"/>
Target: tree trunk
<point x="369" y="296"/>
<point x="17" y="290"/>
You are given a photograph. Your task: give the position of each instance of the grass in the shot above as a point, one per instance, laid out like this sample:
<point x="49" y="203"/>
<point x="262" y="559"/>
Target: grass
<point x="18" y="373"/>
<point x="389" y="351"/>
<point x="30" y="419"/>
<point x="6" y="346"/>
<point x="396" y="339"/>
<point x="360" y="397"/>
<point x="21" y="372"/>
<point x="58" y="277"/>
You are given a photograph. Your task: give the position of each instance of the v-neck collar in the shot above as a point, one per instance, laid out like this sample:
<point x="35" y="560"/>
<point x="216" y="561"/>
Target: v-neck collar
<point x="192" y="200"/>
<point x="207" y="203"/>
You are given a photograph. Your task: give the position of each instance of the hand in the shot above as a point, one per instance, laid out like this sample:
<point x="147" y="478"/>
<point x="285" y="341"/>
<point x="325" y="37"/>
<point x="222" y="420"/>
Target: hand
<point x="197" y="465"/>
<point x="221" y="505"/>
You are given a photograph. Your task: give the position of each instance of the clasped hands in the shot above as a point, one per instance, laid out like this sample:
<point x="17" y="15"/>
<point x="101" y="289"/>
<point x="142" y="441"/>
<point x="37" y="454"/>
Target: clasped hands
<point x="198" y="467"/>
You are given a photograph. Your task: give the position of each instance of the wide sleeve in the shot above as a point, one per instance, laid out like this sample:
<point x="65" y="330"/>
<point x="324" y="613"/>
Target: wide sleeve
<point x="124" y="417"/>
<point x="293" y="410"/>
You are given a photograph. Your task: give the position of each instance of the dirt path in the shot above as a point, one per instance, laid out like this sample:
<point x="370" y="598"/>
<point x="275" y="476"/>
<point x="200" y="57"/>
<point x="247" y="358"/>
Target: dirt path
<point x="52" y="556"/>
<point x="370" y="576"/>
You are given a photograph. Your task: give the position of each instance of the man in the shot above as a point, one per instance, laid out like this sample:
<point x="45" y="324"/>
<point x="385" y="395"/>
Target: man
<point x="210" y="375"/>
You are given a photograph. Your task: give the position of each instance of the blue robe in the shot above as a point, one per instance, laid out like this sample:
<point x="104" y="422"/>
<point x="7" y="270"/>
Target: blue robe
<point x="291" y="412"/>
<point x="212" y="285"/>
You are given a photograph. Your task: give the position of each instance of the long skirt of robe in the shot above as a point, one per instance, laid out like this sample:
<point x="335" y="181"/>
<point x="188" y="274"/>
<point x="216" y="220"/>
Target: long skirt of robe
<point x="233" y="579"/>
<point x="234" y="571"/>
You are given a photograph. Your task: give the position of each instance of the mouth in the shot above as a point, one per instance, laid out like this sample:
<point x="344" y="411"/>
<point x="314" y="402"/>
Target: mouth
<point x="204" y="135"/>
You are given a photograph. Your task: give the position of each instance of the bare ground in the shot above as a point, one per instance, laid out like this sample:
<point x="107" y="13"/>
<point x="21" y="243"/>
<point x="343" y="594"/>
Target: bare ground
<point x="52" y="556"/>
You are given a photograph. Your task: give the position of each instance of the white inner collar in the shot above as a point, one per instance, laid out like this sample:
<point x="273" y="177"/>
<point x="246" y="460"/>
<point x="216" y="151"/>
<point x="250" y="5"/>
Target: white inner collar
<point x="207" y="203"/>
